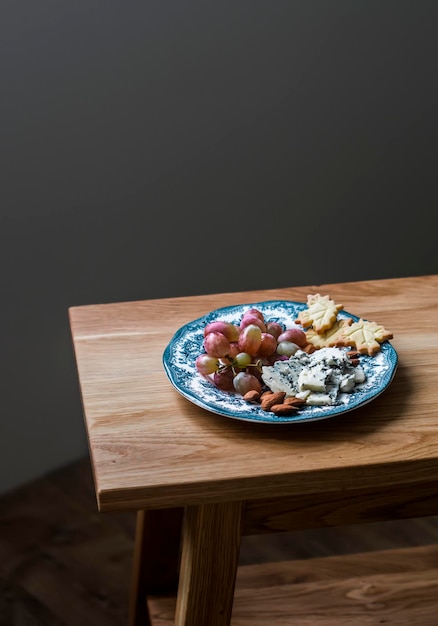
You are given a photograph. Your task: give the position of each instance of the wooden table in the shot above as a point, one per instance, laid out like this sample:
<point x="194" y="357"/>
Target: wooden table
<point x="155" y="452"/>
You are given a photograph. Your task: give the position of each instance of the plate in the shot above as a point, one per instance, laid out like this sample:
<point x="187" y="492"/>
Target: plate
<point x="187" y="343"/>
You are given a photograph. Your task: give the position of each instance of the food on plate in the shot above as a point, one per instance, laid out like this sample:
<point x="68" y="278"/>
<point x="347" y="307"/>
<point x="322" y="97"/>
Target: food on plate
<point x="294" y="335"/>
<point x="320" y="314"/>
<point x="244" y="382"/>
<point x="216" y="345"/>
<point x="206" y="364"/>
<point x="284" y="369"/>
<point x="317" y="378"/>
<point x="329" y="337"/>
<point x="231" y="331"/>
<point x="250" y="339"/>
<point x="365" y="336"/>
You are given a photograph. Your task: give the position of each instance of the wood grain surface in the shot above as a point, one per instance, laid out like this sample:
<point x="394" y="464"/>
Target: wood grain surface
<point x="388" y="587"/>
<point x="152" y="448"/>
<point x="209" y="559"/>
<point x="361" y="506"/>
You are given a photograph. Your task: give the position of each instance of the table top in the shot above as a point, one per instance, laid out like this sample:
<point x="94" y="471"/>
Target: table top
<point x="152" y="448"/>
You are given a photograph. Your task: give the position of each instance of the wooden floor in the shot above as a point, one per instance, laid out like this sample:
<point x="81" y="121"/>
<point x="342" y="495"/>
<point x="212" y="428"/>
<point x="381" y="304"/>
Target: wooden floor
<point x="64" y="564"/>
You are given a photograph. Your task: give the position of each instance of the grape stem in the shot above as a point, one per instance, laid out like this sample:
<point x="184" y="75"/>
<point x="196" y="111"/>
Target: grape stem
<point x="232" y="365"/>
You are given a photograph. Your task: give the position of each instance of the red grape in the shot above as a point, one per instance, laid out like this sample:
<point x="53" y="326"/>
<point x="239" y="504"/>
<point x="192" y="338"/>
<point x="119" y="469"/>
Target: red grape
<point x="230" y="331"/>
<point x="244" y="382"/>
<point x="287" y="348"/>
<point x="250" y="339"/>
<point x="234" y="349"/>
<point x="223" y="379"/>
<point x="274" y="328"/>
<point x="216" y="344"/>
<point x="268" y="345"/>
<point x="248" y="320"/>
<point x="206" y="364"/>
<point x="254" y="311"/>
<point x="295" y="335"/>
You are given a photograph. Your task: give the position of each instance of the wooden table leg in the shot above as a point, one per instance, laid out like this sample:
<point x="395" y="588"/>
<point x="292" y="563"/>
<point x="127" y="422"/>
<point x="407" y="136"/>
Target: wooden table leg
<point x="156" y="559"/>
<point x="210" y="554"/>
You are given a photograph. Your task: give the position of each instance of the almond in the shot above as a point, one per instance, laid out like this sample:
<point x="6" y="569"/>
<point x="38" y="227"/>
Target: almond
<point x="266" y="393"/>
<point x="294" y="401"/>
<point x="269" y="399"/>
<point x="252" y="396"/>
<point x="284" y="409"/>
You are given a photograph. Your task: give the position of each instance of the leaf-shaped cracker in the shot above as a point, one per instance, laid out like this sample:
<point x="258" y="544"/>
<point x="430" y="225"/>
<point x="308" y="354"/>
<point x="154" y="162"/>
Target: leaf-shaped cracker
<point x="330" y="337"/>
<point x="321" y="313"/>
<point x="365" y="336"/>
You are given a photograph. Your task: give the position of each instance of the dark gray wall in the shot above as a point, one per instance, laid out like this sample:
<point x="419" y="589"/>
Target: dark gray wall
<point x="181" y="147"/>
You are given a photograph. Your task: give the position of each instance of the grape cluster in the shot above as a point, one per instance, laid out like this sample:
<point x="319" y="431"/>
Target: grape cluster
<point x="235" y="353"/>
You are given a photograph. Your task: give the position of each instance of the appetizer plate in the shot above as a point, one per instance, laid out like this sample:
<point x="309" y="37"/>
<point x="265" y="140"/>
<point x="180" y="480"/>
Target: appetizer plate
<point x="187" y="343"/>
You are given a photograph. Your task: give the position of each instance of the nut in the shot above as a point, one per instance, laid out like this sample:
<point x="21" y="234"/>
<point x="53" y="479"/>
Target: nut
<point x="269" y="399"/>
<point x="252" y="396"/>
<point x="266" y="393"/>
<point x="284" y="409"/>
<point x="294" y="401"/>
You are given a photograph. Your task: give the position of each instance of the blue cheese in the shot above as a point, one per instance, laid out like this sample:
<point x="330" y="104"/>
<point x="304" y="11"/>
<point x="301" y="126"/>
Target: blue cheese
<point x="319" y="378"/>
<point x="317" y="399"/>
<point x="283" y="375"/>
<point x="314" y="378"/>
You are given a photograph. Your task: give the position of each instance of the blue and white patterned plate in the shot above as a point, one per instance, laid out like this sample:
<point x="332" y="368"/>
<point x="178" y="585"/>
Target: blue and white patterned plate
<point x="187" y="343"/>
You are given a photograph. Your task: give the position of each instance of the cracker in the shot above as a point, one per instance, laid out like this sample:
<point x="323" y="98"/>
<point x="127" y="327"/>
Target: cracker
<point x="320" y="314"/>
<point x="365" y="336"/>
<point x="330" y="337"/>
